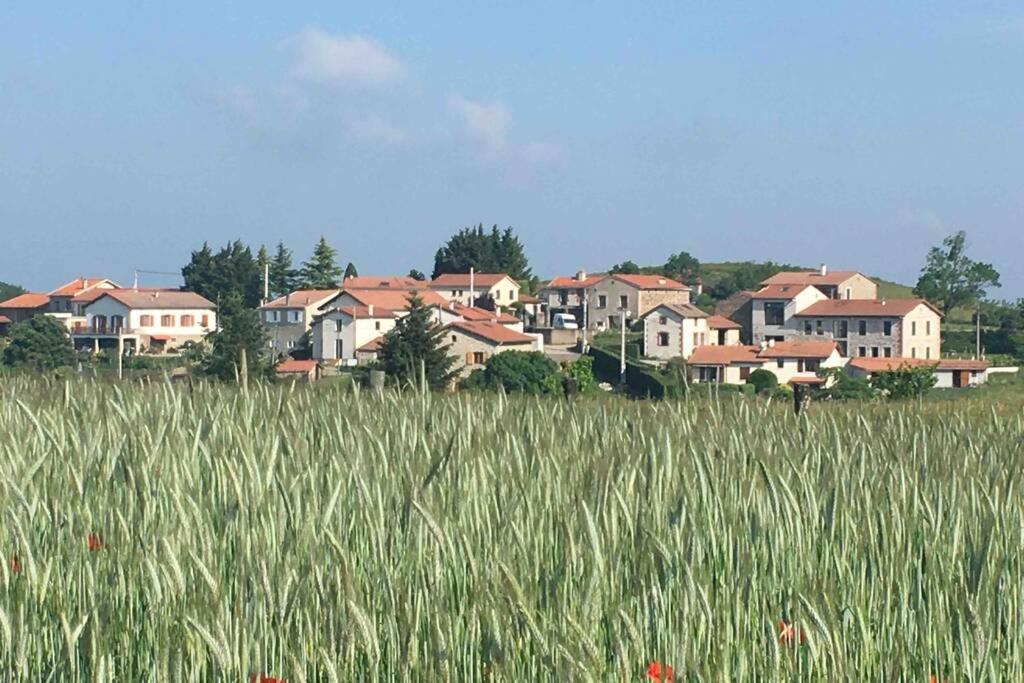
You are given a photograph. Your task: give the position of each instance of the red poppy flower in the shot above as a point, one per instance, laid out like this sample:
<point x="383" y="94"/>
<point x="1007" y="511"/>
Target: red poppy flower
<point x="656" y="671"/>
<point x="93" y="542"/>
<point x="790" y="634"/>
<point x="15" y="565"/>
<point x="263" y="678"/>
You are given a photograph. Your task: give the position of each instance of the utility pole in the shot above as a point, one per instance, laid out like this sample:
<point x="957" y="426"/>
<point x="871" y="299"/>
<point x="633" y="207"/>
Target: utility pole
<point x="266" y="284"/>
<point x="585" y="321"/>
<point x="135" y="284"/>
<point x="120" y="356"/>
<point x="623" y="316"/>
<point x="977" y="332"/>
<point x="472" y="286"/>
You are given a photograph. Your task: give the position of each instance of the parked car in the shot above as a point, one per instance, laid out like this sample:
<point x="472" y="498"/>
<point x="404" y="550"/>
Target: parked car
<point x="565" y="321"/>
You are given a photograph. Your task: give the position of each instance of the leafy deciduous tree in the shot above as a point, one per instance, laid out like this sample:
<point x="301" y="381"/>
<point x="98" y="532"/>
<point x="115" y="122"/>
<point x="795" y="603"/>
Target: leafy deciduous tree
<point x="625" y="268"/>
<point x="950" y="279"/>
<point x="41" y="342"/>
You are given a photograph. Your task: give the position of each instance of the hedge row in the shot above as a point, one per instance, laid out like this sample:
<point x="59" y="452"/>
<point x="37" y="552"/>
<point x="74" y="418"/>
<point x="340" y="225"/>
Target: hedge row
<point x="642" y="380"/>
<point x="1001" y="342"/>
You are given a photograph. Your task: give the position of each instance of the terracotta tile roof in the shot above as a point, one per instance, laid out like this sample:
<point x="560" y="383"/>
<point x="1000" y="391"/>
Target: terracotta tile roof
<point x="473" y="313"/>
<point x="864" y="308"/>
<point x="648" y="282"/>
<point x="301" y="298"/>
<point x="364" y="312"/>
<point x="4" y="320"/>
<point x="719" y="322"/>
<point x="525" y="298"/>
<point x="725" y="355"/>
<point x="493" y="332"/>
<point x="383" y="282"/>
<point x="798" y="348"/>
<point x="806" y="380"/>
<point x="890" y="364"/>
<point x="165" y="298"/>
<point x="79" y="285"/>
<point x="783" y="292"/>
<point x="372" y="346"/>
<point x="811" y="277"/>
<point x="291" y="365"/>
<point x="26" y="300"/>
<point x="684" y="310"/>
<point x="446" y="280"/>
<point x="962" y="364"/>
<point x="570" y="282"/>
<point x="395" y="300"/>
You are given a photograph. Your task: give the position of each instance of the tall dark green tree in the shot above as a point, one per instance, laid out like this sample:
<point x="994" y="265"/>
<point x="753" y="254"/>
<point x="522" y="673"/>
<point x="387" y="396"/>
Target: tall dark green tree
<point x="321" y="271"/>
<point x="40" y="343"/>
<point x="417" y="275"/>
<point x="232" y="270"/>
<point x="240" y="328"/>
<point x="495" y="251"/>
<point x="417" y="341"/>
<point x="282" y="273"/>
<point x="950" y="278"/>
<point x="8" y="291"/>
<point x="625" y="268"/>
<point x="350" y="271"/>
<point x="682" y="267"/>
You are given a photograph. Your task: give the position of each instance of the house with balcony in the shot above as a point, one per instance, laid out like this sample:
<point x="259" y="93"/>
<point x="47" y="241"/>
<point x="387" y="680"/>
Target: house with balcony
<point x="632" y="296"/>
<point x="839" y="284"/>
<point x="894" y="328"/>
<point x="137" y="320"/>
<point x="287" y="318"/>
<point x="773" y="308"/>
<point x="468" y="288"/>
<point x="68" y="302"/>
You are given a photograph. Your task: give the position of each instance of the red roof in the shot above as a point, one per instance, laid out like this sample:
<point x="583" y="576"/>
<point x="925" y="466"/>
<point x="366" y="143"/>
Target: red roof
<point x="492" y="332"/>
<point x="806" y="380"/>
<point x="798" y="348"/>
<point x="528" y="298"/>
<point x="373" y="345"/>
<point x="473" y="313"/>
<point x="462" y="280"/>
<point x="864" y="308"/>
<point x="365" y="312"/>
<point x="89" y="295"/>
<point x="891" y="364"/>
<point x="832" y="278"/>
<point x="157" y="298"/>
<point x="784" y="292"/>
<point x="382" y="282"/>
<point x="79" y="285"/>
<point x="301" y="298"/>
<point x="394" y="299"/>
<point x="291" y="365"/>
<point x="682" y="310"/>
<point x="26" y="300"/>
<point x="719" y="322"/>
<point x="725" y="355"/>
<point x="4" y="320"/>
<point x="650" y="282"/>
<point x="570" y="282"/>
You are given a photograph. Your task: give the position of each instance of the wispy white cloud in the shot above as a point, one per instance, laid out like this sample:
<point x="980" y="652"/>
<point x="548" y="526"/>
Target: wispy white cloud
<point x="374" y="129"/>
<point x="486" y="123"/>
<point x="321" y="57"/>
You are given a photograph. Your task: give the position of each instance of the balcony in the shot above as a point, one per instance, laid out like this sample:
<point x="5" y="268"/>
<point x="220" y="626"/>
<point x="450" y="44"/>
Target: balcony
<point x="103" y="331"/>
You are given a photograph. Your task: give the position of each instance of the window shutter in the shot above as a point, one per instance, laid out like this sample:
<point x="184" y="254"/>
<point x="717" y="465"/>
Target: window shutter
<point x="469" y="358"/>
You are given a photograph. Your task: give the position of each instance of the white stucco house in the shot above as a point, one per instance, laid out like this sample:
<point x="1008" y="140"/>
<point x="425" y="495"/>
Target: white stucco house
<point x="145" y="319"/>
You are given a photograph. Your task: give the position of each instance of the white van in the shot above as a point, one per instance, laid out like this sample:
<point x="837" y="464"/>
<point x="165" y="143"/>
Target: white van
<point x="565" y="321"/>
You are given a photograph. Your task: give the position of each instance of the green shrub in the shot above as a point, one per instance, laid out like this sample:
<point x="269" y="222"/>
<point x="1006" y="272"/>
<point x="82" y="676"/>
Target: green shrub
<point x="530" y="372"/>
<point x="582" y="370"/>
<point x="763" y="380"/>
<point x="904" y="382"/>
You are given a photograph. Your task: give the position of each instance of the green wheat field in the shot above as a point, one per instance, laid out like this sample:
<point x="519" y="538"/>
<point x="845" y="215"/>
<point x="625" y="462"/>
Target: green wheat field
<point x="153" y="532"/>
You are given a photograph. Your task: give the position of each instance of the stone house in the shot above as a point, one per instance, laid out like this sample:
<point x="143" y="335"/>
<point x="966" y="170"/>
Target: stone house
<point x="288" y="317"/>
<point x="466" y="288"/>
<point x="298" y="370"/>
<point x="635" y="295"/>
<point x="839" y="284"/>
<point x="674" y="330"/>
<point x="567" y="295"/>
<point x="472" y="343"/>
<point x="773" y="307"/>
<point x="894" y="328"/>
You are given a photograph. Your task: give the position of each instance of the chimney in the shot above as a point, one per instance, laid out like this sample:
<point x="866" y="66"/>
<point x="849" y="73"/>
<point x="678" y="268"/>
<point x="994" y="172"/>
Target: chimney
<point x="764" y="345"/>
<point x="771" y="343"/>
<point x="581" y="275"/>
<point x="156" y="294"/>
<point x="370" y="309"/>
<point x="661" y="280"/>
<point x="85" y="283"/>
<point x="883" y="302"/>
<point x="824" y="270"/>
<point x="698" y="287"/>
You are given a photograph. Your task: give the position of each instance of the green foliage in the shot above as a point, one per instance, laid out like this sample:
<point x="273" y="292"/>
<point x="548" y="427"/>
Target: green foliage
<point x="950" y="279"/>
<point x="9" y="291"/>
<point x="625" y="268"/>
<point x="763" y="380"/>
<point x="641" y="380"/>
<point x="283" y="276"/>
<point x="417" y="275"/>
<point x="321" y="271"/>
<point x="416" y="342"/>
<point x="496" y="251"/>
<point x="231" y="271"/>
<point x="40" y="343"/>
<point x="842" y="386"/>
<point x="682" y="267"/>
<point x="582" y="371"/>
<point x="904" y="382"/>
<point x="528" y="372"/>
<point x="350" y="271"/>
<point x="240" y="328"/>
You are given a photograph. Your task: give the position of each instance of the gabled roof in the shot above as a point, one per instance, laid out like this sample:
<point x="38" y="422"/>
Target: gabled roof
<point x="447" y="280"/>
<point x="368" y="312"/>
<point x="394" y="299"/>
<point x="571" y="282"/>
<point x="725" y="355"/>
<point x="290" y="365"/>
<point x="372" y="346"/>
<point x="89" y="295"/>
<point x="719" y="322"/>
<point x="383" y="282"/>
<point x="495" y="333"/>
<point x="799" y="348"/>
<point x="525" y="298"/>
<point x="26" y="300"/>
<point x="4" y="320"/>
<point x="832" y="278"/>
<point x="301" y="298"/>
<point x="864" y="308"/>
<point x="81" y="284"/>
<point x="473" y="313"/>
<point x="891" y="364"/>
<point x="683" y="310"/>
<point x="650" y="282"/>
<point x="783" y="292"/>
<point x="157" y="298"/>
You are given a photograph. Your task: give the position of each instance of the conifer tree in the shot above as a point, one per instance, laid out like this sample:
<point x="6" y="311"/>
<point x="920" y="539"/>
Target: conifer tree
<point x="417" y="341"/>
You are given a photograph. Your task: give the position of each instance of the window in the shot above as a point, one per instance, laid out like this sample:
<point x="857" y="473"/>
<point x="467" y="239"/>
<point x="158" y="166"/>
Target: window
<point x="696" y="339"/>
<point x="927" y="352"/>
<point x="624" y="301"/>
<point x="296" y="316"/>
<point x="376" y="325"/>
<point x="497" y="295"/>
<point x="874" y="352"/>
<point x="204" y="321"/>
<point x="339" y="348"/>
<point x="774" y="313"/>
<point x="455" y="292"/>
<point x="602" y="301"/>
<point x="799" y="365"/>
<point x="188" y="320"/>
<point x="841" y="329"/>
<point x="913" y="352"/>
<point x="708" y="374"/>
<point x="745" y="373"/>
<point x="780" y="363"/>
<point x="563" y="297"/>
<point x="862" y="351"/>
<point x="475" y="358"/>
<point x="511" y="295"/>
<point x="848" y="294"/>
<point x="913" y="328"/>
<point x="862" y="327"/>
<point x="339" y="325"/>
<point x="811" y="365"/>
<point x="145" y="321"/>
<point x="454" y="338"/>
<point x="663" y="339"/>
<point x="167" y="321"/>
<point x="887" y="351"/>
<point x="291" y="343"/>
<point x="663" y="320"/>
<point x="819" y="328"/>
<point x="887" y="328"/>
<point x="273" y="316"/>
<point x="807" y="327"/>
<point x="928" y="327"/>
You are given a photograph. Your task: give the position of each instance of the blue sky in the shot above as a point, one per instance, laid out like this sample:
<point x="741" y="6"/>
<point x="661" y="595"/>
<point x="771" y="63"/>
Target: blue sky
<point x="857" y="134"/>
